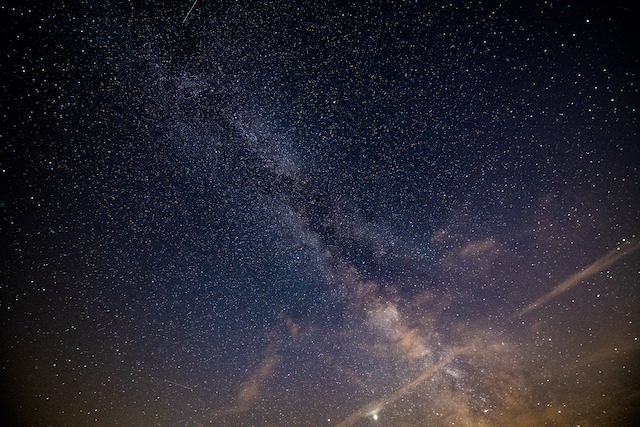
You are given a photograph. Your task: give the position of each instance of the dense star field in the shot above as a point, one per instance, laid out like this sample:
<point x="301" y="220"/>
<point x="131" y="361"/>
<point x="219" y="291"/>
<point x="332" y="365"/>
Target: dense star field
<point x="230" y="213"/>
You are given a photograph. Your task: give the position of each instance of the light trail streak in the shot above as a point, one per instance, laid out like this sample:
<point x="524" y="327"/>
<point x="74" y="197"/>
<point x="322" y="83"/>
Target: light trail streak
<point x="379" y="404"/>
<point x="599" y="265"/>
<point x="189" y="13"/>
<point x="179" y="385"/>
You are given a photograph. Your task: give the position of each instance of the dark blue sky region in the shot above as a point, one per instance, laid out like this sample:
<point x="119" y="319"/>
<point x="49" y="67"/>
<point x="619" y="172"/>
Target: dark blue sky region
<point x="320" y="214"/>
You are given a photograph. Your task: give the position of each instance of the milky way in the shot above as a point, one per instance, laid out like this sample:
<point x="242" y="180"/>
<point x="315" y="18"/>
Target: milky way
<point x="318" y="214"/>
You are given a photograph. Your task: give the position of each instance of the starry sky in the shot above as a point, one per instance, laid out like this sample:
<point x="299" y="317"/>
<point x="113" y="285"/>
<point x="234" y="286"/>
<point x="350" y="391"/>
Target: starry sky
<point x="306" y="213"/>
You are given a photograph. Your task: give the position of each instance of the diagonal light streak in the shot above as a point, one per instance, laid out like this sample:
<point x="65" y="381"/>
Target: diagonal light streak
<point x="599" y="265"/>
<point x="189" y="13"/>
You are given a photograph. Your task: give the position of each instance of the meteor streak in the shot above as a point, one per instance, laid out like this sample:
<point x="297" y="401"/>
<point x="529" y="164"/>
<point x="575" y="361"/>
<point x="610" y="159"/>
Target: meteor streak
<point x="392" y="398"/>
<point x="188" y="13"/>
<point x="179" y="385"/>
<point x="599" y="265"/>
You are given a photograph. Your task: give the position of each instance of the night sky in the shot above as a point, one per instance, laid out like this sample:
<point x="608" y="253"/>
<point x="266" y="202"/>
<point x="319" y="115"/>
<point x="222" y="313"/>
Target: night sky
<point x="320" y="214"/>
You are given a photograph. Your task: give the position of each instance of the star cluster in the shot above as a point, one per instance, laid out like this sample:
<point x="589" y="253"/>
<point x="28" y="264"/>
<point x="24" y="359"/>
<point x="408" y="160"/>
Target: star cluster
<point x="315" y="213"/>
